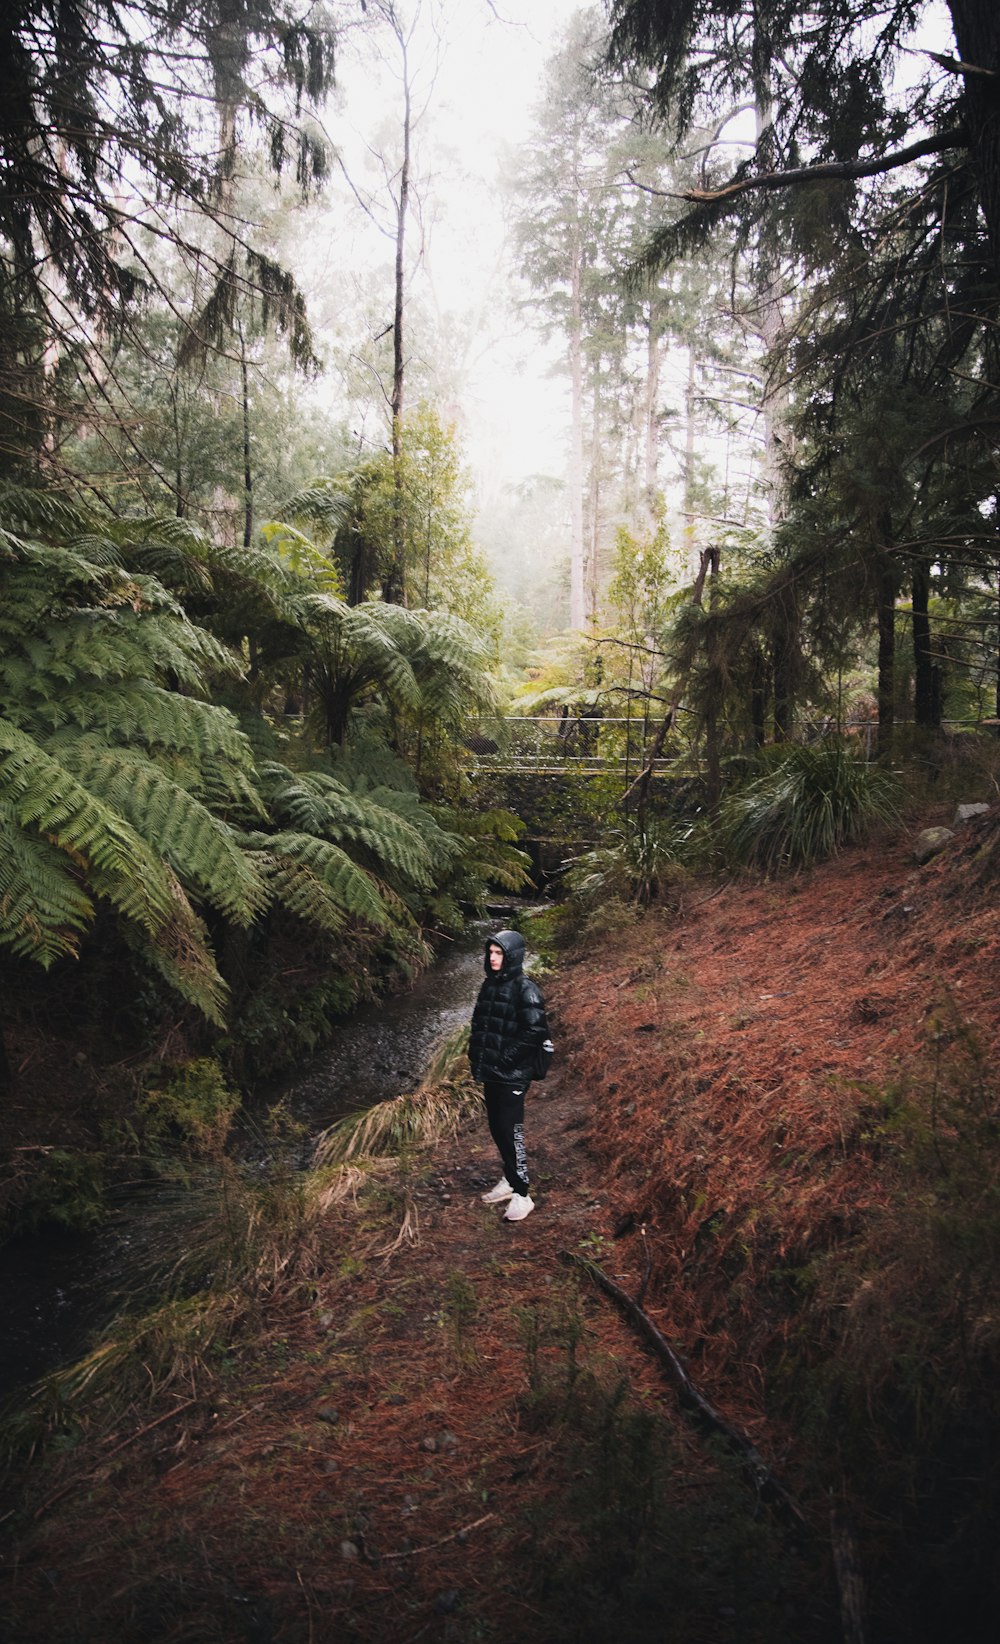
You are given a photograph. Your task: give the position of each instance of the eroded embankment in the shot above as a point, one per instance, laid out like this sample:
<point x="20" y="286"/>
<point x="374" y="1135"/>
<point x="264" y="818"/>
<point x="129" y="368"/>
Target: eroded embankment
<point x="796" y="1100"/>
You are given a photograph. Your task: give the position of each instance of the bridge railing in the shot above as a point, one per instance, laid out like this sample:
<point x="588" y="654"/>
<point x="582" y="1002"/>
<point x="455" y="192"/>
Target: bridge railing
<point x="553" y="739"/>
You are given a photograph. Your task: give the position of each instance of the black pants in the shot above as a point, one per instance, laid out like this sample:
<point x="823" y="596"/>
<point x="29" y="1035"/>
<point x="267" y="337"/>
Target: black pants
<point x="505" y="1112"/>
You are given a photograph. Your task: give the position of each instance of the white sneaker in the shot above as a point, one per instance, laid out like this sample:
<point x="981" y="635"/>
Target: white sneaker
<point x="521" y="1205"/>
<point x="496" y="1195"/>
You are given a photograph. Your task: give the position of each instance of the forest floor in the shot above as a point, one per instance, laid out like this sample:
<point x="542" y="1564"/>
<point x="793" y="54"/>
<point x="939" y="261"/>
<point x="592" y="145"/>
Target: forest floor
<point x="445" y="1431"/>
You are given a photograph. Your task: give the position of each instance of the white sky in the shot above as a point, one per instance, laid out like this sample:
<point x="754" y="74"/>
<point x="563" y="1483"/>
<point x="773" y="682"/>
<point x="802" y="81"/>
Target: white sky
<point x="510" y="410"/>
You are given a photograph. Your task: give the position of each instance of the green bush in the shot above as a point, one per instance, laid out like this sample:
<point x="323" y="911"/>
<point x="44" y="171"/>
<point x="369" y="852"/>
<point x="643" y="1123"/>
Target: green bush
<point x="58" y="1186"/>
<point x="643" y="863"/>
<point x="809" y="803"/>
<point x="194" y="1107"/>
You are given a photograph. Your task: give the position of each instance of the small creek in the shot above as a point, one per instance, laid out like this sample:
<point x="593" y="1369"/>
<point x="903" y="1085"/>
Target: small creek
<point x="57" y="1288"/>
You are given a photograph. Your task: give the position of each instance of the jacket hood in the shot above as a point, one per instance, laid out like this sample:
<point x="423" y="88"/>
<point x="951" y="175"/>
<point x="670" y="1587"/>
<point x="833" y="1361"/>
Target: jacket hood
<point x="512" y="943"/>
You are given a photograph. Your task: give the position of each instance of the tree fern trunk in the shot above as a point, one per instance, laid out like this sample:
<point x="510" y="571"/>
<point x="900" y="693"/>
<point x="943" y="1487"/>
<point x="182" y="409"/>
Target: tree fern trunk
<point x="997" y="703"/>
<point x="6" y="1071"/>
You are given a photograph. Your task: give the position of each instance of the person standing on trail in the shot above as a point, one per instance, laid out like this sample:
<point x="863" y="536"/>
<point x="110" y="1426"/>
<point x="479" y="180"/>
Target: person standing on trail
<point x="508" y="1027"/>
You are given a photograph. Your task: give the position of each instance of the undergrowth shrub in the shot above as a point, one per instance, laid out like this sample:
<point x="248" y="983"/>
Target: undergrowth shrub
<point x="640" y="863"/>
<point x="630" y="1548"/>
<point x="55" y="1186"/>
<point x="194" y="1105"/>
<point x="809" y="802"/>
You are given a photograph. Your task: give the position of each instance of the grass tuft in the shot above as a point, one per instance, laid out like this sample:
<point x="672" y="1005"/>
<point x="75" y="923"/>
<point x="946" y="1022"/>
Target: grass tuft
<point x="444" y="1101"/>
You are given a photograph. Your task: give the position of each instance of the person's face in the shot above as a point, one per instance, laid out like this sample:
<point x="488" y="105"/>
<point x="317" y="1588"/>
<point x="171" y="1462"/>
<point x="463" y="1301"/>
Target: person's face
<point x="496" y="957"/>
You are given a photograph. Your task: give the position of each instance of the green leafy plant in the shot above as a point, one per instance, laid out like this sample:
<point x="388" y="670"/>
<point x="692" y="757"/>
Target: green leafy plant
<point x="810" y="802"/>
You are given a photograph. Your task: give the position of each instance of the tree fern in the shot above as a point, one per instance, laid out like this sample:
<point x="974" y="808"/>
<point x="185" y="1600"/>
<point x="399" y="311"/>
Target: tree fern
<point x="317" y="803"/>
<point x="31" y="510"/>
<point x="183" y="957"/>
<point x="133" y="712"/>
<point x="302" y="555"/>
<point x="487" y="853"/>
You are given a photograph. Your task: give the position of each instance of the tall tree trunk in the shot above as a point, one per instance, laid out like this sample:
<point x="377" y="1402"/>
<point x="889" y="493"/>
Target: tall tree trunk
<point x="592" y="578"/>
<point x="689" y="453"/>
<point x="977" y="37"/>
<point x="652" y="397"/>
<point x="394" y="583"/>
<point x="787" y="657"/>
<point x="712" y="563"/>
<point x="577" y="598"/>
<point x="772" y="302"/>
<point x="179" y="509"/>
<point x="885" y="594"/>
<point x="247" y="467"/>
<point x="926" y="707"/>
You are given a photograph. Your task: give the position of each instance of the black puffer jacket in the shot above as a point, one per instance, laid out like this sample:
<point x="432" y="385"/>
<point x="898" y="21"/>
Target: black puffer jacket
<point x="508" y="1023"/>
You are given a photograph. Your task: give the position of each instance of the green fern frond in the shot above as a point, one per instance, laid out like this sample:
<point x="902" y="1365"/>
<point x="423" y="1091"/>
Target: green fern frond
<point x="43" y="909"/>
<point x="98" y="549"/>
<point x="139" y="713"/>
<point x="441" y="844"/>
<point x="301" y="892"/>
<point x="201" y="849"/>
<point x="115" y="644"/>
<point x="369" y="638"/>
<point x="46" y="803"/>
<point x="45" y="797"/>
<point x="35" y="568"/>
<point x="28" y="509"/>
<point x="352" y="888"/>
<point x="182" y="956"/>
<point x="302" y="554"/>
<point x="324" y="504"/>
<point x="317" y="803"/>
<point x="492" y="824"/>
<point x="173" y="551"/>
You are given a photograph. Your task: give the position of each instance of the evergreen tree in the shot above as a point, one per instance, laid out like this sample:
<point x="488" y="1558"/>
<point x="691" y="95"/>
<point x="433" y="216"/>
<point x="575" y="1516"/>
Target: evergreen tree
<point x="107" y="142"/>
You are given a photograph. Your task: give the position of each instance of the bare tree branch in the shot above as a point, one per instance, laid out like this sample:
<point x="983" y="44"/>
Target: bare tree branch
<point x="841" y="170"/>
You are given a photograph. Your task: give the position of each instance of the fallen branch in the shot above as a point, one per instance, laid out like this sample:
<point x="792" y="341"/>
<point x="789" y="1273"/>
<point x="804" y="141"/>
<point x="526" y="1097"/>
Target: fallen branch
<point x="768" y="1487"/>
<point x="414" y="1552"/>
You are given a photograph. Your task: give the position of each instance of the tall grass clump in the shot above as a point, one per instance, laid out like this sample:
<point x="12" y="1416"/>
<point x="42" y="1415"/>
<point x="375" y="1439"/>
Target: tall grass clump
<point x="810" y="802"/>
<point x="443" y="1101"/>
<point x="640" y="864"/>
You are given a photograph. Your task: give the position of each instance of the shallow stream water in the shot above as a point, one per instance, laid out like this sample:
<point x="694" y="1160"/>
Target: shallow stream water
<point x="57" y="1288"/>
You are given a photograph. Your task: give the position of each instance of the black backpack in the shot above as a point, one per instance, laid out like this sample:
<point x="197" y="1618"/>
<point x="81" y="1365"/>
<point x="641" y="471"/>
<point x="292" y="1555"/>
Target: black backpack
<point x="543" y="1059"/>
<point x="544" y="1054"/>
